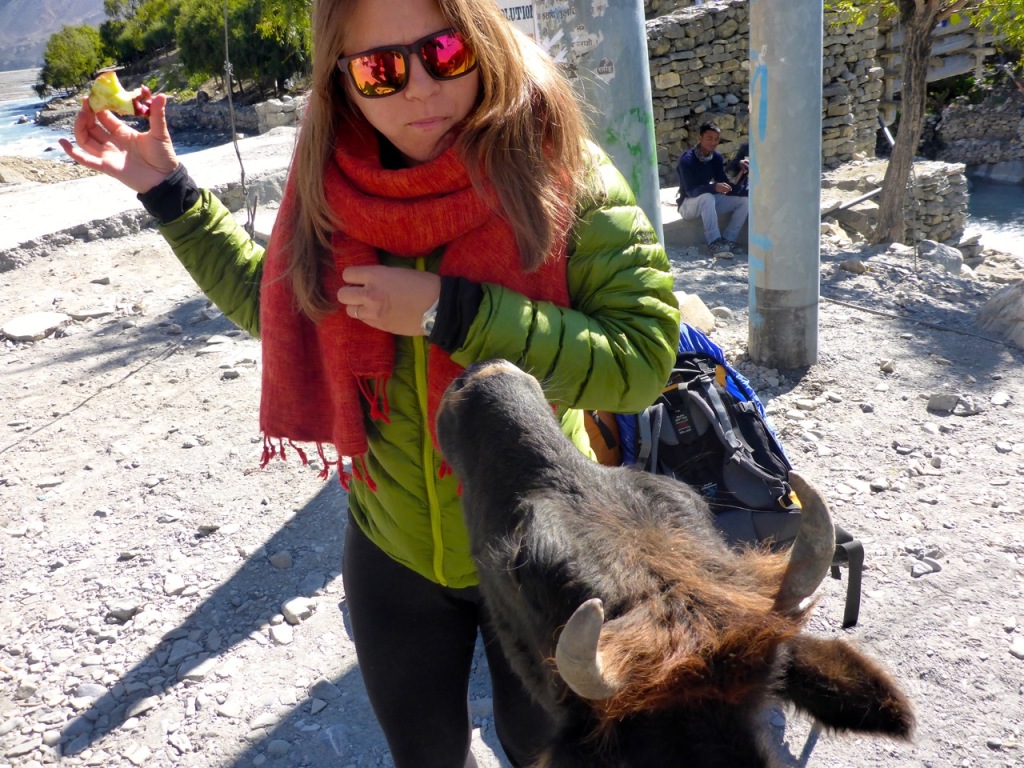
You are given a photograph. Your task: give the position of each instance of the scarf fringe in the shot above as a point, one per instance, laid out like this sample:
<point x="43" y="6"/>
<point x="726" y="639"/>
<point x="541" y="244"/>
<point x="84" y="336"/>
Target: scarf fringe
<point x="359" y="472"/>
<point x="378" y="394"/>
<point x="270" y="451"/>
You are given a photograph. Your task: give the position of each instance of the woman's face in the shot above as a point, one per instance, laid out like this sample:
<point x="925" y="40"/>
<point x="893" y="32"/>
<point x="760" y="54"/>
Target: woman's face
<point x="420" y="119"/>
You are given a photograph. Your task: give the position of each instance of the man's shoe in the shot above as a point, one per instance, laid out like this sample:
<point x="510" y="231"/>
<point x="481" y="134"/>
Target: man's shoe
<point x="720" y="249"/>
<point x="734" y="247"/>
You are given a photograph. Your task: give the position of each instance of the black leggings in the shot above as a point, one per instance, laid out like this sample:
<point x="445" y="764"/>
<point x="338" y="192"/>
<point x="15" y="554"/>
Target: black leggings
<point x="414" y="640"/>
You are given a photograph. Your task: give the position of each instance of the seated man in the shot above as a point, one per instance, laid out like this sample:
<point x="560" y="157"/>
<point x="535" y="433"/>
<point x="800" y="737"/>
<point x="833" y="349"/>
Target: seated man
<point x="704" y="192"/>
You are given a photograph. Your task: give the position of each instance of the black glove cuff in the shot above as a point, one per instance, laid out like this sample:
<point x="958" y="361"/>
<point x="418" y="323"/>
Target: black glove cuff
<point x="172" y="197"/>
<point x="456" y="309"/>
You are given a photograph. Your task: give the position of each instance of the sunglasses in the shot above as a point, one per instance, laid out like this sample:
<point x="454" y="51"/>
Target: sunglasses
<point x="384" y="71"/>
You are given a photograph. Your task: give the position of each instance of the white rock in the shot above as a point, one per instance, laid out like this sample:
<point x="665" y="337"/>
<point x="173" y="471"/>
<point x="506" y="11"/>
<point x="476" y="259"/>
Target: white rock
<point x="232" y="706"/>
<point x="173" y="584"/>
<point x="34" y="326"/>
<point x="282" y="634"/>
<point x="316" y="706"/>
<point x="297" y="610"/>
<point x="1017" y="647"/>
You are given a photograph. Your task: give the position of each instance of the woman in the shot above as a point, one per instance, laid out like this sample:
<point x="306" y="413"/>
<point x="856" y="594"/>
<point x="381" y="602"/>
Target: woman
<point x="443" y="207"/>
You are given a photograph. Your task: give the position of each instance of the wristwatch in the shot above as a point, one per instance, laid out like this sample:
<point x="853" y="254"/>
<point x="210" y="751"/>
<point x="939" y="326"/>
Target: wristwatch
<point x="429" y="317"/>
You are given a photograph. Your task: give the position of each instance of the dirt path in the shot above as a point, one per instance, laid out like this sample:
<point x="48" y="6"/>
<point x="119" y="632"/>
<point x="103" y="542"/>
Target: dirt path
<point x="165" y="602"/>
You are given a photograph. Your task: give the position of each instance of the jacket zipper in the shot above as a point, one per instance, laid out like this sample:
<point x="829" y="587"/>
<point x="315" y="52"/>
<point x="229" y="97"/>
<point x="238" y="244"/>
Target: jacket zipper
<point x="421" y="347"/>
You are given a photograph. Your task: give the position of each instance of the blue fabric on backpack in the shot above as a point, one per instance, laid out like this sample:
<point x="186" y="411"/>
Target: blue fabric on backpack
<point x="692" y="340"/>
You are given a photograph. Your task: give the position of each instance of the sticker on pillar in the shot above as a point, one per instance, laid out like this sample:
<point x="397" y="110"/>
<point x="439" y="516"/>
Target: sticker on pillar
<point x="584" y="41"/>
<point x="520" y="14"/>
<point x="554" y="19"/>
<point x="553" y="14"/>
<point x="605" y="70"/>
<point x="598" y="7"/>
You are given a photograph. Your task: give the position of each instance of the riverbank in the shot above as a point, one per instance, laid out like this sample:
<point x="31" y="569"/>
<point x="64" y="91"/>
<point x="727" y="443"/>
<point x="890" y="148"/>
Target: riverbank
<point x="34" y="216"/>
<point x="16" y="84"/>
<point x="18" y="170"/>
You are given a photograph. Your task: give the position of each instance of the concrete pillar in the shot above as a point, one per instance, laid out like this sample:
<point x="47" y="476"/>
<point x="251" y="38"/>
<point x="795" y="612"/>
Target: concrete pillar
<point x="785" y="181"/>
<point x="602" y="46"/>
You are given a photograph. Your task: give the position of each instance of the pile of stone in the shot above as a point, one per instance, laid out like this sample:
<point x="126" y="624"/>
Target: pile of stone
<point x="286" y="111"/>
<point x="936" y="204"/>
<point x="988" y="137"/>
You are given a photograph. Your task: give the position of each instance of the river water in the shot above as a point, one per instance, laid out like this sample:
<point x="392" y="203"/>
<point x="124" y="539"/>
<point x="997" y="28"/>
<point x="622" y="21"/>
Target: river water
<point x="18" y="103"/>
<point x="996" y="210"/>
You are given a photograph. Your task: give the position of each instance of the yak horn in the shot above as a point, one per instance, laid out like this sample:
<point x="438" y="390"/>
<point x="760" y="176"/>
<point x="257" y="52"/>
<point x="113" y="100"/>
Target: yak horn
<point x="576" y="655"/>
<point x="813" y="549"/>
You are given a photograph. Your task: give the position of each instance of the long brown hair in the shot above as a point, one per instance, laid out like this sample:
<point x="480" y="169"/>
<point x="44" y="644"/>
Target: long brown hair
<point x="524" y="140"/>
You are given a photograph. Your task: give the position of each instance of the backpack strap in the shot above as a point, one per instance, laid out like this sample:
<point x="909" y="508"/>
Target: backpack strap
<point x="646" y="432"/>
<point x="717" y="415"/>
<point x="851" y="552"/>
<point x="720" y="418"/>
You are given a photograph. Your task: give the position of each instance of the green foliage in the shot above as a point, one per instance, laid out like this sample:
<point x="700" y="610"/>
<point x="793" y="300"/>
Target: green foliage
<point x="266" y="59"/>
<point x="857" y="11"/>
<point x="287" y="21"/>
<point x="196" y="81"/>
<point x="1004" y="16"/>
<point x="71" y="57"/>
<point x="140" y="28"/>
<point x="120" y="10"/>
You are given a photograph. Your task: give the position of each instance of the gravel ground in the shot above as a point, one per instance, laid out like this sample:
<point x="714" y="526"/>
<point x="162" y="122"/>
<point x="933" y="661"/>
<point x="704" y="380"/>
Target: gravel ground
<point x="21" y="169"/>
<point x="166" y="602"/>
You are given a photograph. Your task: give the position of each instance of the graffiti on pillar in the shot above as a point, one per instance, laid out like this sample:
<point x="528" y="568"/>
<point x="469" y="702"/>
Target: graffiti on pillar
<point x="634" y="132"/>
<point x="600" y="46"/>
<point x="758" y="97"/>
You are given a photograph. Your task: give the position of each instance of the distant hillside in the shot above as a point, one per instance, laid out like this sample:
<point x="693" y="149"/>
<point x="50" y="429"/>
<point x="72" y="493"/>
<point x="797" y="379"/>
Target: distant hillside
<point x="26" y="25"/>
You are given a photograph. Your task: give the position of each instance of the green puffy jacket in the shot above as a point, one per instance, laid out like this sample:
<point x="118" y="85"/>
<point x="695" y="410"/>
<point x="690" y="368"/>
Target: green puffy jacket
<point x="611" y="349"/>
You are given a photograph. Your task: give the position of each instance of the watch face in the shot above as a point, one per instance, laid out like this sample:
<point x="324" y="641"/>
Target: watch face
<point x="428" y="322"/>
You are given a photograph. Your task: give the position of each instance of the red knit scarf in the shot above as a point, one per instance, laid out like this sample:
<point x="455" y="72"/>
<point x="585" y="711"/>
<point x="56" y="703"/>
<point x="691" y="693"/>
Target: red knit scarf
<point x="319" y="378"/>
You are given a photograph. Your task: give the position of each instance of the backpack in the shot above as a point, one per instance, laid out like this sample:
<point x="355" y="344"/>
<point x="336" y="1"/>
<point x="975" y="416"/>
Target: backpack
<point x="708" y="429"/>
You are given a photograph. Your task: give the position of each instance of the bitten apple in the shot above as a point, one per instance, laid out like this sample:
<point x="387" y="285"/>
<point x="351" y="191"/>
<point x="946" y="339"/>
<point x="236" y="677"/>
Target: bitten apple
<point x="108" y="93"/>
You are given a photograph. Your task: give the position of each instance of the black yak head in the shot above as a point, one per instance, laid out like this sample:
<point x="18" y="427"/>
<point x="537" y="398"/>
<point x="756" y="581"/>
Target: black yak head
<point x="649" y="641"/>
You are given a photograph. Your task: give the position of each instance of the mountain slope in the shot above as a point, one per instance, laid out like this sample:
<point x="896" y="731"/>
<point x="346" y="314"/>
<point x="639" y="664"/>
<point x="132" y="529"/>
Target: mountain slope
<point x="26" y="25"/>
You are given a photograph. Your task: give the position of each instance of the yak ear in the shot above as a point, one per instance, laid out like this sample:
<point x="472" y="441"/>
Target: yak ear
<point x="843" y="689"/>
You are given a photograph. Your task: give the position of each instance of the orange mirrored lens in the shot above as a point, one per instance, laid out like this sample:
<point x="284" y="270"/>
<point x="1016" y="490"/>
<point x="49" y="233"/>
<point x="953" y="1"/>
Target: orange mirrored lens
<point x="447" y="55"/>
<point x="380" y="73"/>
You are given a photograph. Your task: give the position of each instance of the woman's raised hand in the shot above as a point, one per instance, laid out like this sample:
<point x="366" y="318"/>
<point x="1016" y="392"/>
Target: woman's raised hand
<point x="105" y="144"/>
<point x="392" y="299"/>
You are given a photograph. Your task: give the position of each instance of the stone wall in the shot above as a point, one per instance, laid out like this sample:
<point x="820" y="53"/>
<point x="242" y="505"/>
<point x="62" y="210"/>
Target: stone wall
<point x="700" y="71"/>
<point x="936" y="207"/>
<point x="211" y="116"/>
<point x="655" y="8"/>
<point x="277" y="112"/>
<point x="987" y="137"/>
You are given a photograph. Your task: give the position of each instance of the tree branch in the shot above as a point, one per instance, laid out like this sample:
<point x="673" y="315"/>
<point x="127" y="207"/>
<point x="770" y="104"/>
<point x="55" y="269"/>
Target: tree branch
<point x="956" y="7"/>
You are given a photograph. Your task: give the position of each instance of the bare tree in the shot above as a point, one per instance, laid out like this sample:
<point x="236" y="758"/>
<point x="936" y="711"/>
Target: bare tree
<point x="918" y="19"/>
